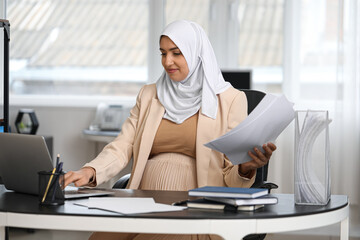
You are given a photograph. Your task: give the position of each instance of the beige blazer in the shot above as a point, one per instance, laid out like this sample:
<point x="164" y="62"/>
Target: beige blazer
<point x="138" y="132"/>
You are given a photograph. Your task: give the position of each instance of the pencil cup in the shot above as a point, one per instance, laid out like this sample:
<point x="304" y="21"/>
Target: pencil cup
<point x="51" y="188"/>
<point x="312" y="158"/>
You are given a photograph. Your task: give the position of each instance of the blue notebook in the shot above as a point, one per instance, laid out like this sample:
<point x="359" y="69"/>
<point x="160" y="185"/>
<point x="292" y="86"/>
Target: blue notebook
<point x="228" y="192"/>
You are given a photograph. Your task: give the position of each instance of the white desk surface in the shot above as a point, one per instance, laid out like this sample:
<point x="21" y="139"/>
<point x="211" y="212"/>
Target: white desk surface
<point x="20" y="210"/>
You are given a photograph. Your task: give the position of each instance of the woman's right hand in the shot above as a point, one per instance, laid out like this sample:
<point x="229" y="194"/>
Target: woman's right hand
<point x="81" y="177"/>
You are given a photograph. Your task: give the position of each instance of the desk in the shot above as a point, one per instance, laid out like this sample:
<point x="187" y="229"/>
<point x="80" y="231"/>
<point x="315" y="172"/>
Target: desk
<point x="21" y="210"/>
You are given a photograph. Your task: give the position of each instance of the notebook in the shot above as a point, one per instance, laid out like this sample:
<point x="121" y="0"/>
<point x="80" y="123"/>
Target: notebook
<point x="228" y="192"/>
<point x="208" y="204"/>
<point x="22" y="156"/>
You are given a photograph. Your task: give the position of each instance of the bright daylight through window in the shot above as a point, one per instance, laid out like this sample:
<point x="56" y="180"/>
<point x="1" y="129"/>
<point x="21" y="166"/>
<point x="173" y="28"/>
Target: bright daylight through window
<point x="81" y="47"/>
<point x="100" y="47"/>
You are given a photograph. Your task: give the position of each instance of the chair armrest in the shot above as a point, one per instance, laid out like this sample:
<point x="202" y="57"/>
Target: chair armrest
<point x="122" y="182"/>
<point x="269" y="185"/>
<point x="264" y="184"/>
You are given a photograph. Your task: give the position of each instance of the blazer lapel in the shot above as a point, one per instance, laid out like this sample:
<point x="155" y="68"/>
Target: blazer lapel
<point x="205" y="133"/>
<point x="152" y="122"/>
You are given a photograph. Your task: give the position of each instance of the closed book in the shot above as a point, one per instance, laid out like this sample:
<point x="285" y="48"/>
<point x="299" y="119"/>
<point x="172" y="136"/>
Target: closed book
<point x="228" y="192"/>
<point x="269" y="199"/>
<point x="207" y="204"/>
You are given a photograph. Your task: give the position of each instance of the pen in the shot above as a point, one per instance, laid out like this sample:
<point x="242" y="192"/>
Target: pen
<point x="52" y="174"/>
<point x="48" y="185"/>
<point x="57" y="161"/>
<point x="58" y="171"/>
<point x="59" y="168"/>
<point x="57" y="174"/>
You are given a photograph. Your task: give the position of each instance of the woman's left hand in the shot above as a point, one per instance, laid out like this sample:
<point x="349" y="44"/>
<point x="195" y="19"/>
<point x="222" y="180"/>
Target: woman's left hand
<point x="259" y="159"/>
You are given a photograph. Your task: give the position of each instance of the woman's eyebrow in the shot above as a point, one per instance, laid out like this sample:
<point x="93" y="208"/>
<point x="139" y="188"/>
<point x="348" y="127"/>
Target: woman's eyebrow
<point x="171" y="49"/>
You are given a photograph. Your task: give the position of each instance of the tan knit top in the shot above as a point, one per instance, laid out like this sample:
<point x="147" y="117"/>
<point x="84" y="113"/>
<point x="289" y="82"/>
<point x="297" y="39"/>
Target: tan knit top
<point x="176" y="138"/>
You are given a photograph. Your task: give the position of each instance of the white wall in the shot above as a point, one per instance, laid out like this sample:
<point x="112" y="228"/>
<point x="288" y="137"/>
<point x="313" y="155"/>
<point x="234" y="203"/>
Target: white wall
<point x="65" y="124"/>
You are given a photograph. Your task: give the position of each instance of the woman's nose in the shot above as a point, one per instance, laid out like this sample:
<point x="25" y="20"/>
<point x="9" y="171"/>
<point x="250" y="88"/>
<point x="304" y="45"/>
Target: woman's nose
<point x="168" y="60"/>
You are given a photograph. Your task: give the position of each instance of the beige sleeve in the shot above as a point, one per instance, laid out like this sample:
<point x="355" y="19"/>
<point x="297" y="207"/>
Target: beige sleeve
<point x="117" y="154"/>
<point x="237" y="113"/>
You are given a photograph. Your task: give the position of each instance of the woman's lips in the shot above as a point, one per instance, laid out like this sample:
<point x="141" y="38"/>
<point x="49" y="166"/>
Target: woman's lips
<point x="171" y="70"/>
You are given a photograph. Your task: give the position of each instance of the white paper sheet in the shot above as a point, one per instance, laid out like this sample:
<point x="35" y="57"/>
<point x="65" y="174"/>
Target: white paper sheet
<point x="264" y="124"/>
<point x="128" y="205"/>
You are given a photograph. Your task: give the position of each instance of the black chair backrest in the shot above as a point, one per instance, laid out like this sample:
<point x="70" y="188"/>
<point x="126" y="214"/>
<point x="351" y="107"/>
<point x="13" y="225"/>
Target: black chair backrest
<point x="254" y="97"/>
<point x="239" y="79"/>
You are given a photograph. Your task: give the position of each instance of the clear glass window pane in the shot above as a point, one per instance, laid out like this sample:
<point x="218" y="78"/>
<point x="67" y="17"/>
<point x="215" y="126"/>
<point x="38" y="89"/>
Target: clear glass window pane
<point x="82" y="47"/>
<point x="319" y="48"/>
<point x="196" y="11"/>
<point x="260" y="39"/>
<point x="260" y="33"/>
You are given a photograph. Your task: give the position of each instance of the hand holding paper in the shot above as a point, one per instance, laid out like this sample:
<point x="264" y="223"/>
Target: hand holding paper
<point x="264" y="124"/>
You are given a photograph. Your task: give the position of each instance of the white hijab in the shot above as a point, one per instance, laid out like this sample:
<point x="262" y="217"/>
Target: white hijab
<point x="183" y="99"/>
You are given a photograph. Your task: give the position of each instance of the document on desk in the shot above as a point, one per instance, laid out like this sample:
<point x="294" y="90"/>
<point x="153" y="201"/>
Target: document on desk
<point x="125" y="205"/>
<point x="264" y="124"/>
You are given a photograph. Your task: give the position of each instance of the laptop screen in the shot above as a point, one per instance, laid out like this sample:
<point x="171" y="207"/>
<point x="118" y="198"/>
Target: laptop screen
<point x="22" y="156"/>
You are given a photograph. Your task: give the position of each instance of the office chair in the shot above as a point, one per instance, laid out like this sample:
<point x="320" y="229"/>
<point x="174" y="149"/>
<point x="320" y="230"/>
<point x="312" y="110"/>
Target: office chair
<point x="253" y="98"/>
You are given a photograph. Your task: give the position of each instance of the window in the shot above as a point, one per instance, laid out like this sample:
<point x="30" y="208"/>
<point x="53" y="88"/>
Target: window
<point x="80" y="47"/>
<point x="101" y="47"/>
<point x="196" y="11"/>
<point x="319" y="49"/>
<point x="260" y="40"/>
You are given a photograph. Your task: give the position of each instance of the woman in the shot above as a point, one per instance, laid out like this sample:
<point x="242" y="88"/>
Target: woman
<point x="189" y="105"/>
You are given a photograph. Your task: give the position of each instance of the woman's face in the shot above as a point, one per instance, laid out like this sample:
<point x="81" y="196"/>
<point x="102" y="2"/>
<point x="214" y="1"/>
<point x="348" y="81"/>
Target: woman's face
<point x="173" y="60"/>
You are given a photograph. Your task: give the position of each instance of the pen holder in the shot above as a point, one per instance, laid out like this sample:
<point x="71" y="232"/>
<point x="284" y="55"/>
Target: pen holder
<point x="312" y="158"/>
<point x="51" y="191"/>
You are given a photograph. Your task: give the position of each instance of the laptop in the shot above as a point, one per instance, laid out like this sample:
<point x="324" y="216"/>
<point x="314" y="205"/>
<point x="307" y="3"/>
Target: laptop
<point x="22" y="156"/>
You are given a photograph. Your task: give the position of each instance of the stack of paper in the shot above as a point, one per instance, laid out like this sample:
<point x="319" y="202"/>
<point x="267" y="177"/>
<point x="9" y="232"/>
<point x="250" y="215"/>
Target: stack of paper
<point x="230" y="198"/>
<point x="264" y="124"/>
<point x="234" y="192"/>
<point x="125" y="205"/>
<point x="269" y="199"/>
<point x="210" y="204"/>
